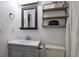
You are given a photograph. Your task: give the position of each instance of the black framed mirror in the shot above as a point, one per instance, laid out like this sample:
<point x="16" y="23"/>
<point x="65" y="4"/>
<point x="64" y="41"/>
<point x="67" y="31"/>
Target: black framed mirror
<point x="29" y="18"/>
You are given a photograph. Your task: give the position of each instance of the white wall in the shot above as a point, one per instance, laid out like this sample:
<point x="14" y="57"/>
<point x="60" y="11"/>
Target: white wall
<point x="6" y="25"/>
<point x="9" y="29"/>
<point x="48" y="35"/>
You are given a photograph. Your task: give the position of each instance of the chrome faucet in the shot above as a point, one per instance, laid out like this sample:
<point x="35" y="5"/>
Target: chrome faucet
<point x="28" y="38"/>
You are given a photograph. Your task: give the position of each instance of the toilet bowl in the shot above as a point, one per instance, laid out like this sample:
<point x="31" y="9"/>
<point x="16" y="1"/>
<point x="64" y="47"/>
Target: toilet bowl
<point x="55" y="51"/>
<point x="52" y="51"/>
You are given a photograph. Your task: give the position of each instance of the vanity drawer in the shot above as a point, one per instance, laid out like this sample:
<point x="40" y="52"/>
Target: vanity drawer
<point x="16" y="53"/>
<point x="22" y="51"/>
<point x="30" y="48"/>
<point x="31" y="54"/>
<point x="15" y="47"/>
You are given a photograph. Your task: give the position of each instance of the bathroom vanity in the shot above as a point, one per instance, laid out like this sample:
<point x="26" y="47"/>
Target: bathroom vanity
<point x="23" y="48"/>
<point x="29" y="48"/>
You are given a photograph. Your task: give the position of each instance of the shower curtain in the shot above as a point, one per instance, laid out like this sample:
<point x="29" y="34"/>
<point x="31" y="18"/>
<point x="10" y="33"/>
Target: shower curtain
<point x="71" y="29"/>
<point x="68" y="32"/>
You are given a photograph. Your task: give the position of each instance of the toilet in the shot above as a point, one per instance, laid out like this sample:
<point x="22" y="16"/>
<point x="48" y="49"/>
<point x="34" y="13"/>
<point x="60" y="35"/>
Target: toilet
<point x="52" y="51"/>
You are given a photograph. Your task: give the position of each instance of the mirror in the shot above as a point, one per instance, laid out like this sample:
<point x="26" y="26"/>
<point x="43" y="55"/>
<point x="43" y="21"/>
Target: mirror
<point x="29" y="18"/>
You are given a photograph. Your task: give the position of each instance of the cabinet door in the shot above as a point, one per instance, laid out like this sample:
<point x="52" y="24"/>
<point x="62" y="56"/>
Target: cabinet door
<point x="15" y="47"/>
<point x="31" y="52"/>
<point x="16" y="53"/>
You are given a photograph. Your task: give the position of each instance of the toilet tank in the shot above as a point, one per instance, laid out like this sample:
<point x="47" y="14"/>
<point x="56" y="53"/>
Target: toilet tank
<point x="55" y="51"/>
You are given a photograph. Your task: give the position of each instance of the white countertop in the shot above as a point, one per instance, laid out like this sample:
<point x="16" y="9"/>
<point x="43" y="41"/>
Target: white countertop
<point x="24" y="42"/>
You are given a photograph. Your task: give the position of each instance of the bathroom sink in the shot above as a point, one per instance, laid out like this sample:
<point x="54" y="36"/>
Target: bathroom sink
<point x="24" y="42"/>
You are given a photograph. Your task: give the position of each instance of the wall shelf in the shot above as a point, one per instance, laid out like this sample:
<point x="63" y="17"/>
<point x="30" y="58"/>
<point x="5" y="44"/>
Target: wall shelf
<point x="55" y="9"/>
<point x="55" y="15"/>
<point x="54" y="26"/>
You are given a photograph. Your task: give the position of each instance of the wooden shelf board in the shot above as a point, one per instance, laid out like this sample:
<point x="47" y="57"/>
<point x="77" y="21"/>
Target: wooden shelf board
<point x="57" y="17"/>
<point x="55" y="9"/>
<point x="54" y="26"/>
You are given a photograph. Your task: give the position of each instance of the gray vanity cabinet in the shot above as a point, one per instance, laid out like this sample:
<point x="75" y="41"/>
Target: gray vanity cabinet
<point x="22" y="51"/>
<point x="16" y="53"/>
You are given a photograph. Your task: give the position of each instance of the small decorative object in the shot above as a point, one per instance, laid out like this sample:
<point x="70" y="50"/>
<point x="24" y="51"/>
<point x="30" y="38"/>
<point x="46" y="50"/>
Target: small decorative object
<point x="11" y="16"/>
<point x="53" y="22"/>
